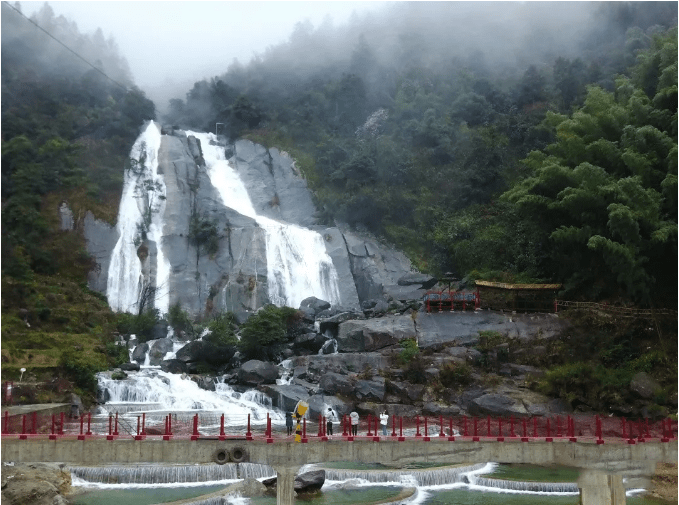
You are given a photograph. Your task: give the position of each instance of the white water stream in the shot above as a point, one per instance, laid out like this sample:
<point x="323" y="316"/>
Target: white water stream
<point x="141" y="210"/>
<point x="298" y="265"/>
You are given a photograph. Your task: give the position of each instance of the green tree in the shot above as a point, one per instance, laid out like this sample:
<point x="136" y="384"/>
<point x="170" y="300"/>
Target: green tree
<point x="602" y="187"/>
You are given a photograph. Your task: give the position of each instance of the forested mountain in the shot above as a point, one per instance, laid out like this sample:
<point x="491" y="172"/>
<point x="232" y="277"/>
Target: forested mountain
<point x="67" y="129"/>
<point x="507" y="141"/>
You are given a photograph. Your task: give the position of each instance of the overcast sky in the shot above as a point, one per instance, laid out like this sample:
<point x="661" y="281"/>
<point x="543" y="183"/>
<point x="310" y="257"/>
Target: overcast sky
<point x="185" y="41"/>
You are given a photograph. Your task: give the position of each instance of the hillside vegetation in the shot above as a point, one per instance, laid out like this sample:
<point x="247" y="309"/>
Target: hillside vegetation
<point x="67" y="130"/>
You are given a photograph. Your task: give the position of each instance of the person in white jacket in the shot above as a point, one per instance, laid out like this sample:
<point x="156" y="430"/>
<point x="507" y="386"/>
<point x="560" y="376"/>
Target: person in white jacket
<point x="330" y="418"/>
<point x="384" y="419"/>
<point x="354" y="423"/>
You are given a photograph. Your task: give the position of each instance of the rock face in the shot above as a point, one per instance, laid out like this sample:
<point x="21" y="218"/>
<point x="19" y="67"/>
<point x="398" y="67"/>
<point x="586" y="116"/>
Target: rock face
<point x="374" y="334"/>
<point x="233" y="276"/>
<point x="464" y="327"/>
<point x="35" y="483"/>
<point x="255" y="372"/>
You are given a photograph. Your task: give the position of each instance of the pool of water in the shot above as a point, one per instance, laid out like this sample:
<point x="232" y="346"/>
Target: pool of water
<point x="366" y="493"/>
<point x="141" y="496"/>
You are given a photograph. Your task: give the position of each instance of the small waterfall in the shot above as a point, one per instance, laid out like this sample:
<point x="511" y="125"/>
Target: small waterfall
<point x="176" y="394"/>
<point x="298" y="265"/>
<point x="286" y="375"/>
<point x="155" y="474"/>
<point x="255" y="471"/>
<point x="329" y="347"/>
<point x="140" y="218"/>
<point x="432" y="477"/>
<point x="524" y="486"/>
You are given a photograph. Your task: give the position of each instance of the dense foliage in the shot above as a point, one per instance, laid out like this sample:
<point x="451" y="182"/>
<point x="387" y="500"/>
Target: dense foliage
<point x="447" y="152"/>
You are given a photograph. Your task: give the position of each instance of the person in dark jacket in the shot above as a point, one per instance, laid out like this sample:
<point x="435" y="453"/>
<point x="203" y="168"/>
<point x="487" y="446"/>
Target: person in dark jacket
<point x="288" y="422"/>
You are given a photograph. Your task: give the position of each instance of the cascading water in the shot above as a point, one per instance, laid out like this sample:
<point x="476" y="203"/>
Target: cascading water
<point x="140" y="217"/>
<point x="298" y="265"/>
<point x="172" y="393"/>
<point x="172" y="474"/>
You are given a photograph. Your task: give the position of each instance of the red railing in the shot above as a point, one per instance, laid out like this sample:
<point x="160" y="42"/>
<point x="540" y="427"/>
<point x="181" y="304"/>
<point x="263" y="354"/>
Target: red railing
<point x="450" y="301"/>
<point x="501" y="429"/>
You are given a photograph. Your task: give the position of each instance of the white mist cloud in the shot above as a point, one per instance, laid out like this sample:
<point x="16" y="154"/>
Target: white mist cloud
<point x="185" y="41"/>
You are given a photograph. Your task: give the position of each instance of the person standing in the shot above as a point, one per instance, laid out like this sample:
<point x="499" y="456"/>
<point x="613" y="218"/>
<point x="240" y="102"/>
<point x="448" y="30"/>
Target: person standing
<point x="384" y="419"/>
<point x="288" y="422"/>
<point x="354" y="423"/>
<point x="330" y="419"/>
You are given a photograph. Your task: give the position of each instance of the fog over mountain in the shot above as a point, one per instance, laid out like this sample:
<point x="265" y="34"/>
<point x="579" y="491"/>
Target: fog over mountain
<point x="170" y="45"/>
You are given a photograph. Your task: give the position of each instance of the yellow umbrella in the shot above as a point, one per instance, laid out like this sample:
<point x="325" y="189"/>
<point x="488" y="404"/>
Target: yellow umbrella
<point x="300" y="409"/>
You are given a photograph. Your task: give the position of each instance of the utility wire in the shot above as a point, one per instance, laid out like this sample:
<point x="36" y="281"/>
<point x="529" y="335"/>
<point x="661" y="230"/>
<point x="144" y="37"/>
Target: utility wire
<point x="65" y="46"/>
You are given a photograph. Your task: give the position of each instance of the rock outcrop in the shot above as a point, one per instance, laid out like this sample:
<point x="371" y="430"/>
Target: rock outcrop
<point x="35" y="483"/>
<point x="233" y="274"/>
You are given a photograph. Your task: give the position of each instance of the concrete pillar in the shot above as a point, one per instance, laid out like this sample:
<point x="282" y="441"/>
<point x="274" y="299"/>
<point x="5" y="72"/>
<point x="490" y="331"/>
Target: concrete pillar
<point x="285" y="484"/>
<point x="599" y="488"/>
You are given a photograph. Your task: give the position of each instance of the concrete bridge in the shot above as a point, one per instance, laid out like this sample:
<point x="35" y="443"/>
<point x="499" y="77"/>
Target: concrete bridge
<point x="602" y="465"/>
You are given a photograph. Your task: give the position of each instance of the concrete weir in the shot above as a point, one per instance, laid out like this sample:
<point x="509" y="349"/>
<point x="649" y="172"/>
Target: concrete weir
<point x="602" y="465"/>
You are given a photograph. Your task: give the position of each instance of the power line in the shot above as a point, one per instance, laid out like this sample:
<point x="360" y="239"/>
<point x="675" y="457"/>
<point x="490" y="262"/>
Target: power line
<point x="64" y="45"/>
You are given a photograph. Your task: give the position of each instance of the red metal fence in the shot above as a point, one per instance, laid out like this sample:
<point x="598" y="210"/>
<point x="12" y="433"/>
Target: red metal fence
<point x="500" y="429"/>
<point x="450" y="301"/>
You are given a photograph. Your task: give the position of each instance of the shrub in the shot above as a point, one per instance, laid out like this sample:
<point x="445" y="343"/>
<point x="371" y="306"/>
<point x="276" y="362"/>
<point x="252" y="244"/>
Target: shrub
<point x="453" y="375"/>
<point x="268" y="327"/>
<point x="223" y="330"/>
<point x="140" y="325"/>
<point x="409" y="350"/>
<point x="81" y="367"/>
<point x="180" y="320"/>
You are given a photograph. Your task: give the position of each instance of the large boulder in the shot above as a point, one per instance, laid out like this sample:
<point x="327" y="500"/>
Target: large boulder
<point x="644" y="386"/>
<point x="406" y="390"/>
<point x="318" y="405"/>
<point x="370" y="390"/>
<point x="139" y="353"/>
<point x="35" y="483"/>
<point x="312" y="342"/>
<point x="286" y="396"/>
<point x="255" y="372"/>
<point x="310" y="481"/>
<point x="314" y="304"/>
<point x="500" y="405"/>
<point x="159" y="349"/>
<point x="173" y="366"/>
<point x="374" y="334"/>
<point x="304" y="483"/>
<point x="333" y="383"/>
<point x="440" y="409"/>
<point x="202" y="351"/>
<point x="314" y="366"/>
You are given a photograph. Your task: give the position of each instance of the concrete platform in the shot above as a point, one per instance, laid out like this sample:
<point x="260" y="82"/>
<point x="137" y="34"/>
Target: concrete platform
<point x="41" y="408"/>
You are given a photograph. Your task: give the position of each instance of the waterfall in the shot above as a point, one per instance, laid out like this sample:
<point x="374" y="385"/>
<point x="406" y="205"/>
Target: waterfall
<point x="430" y="477"/>
<point x="298" y="265"/>
<point x="524" y="486"/>
<point x="140" y="218"/>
